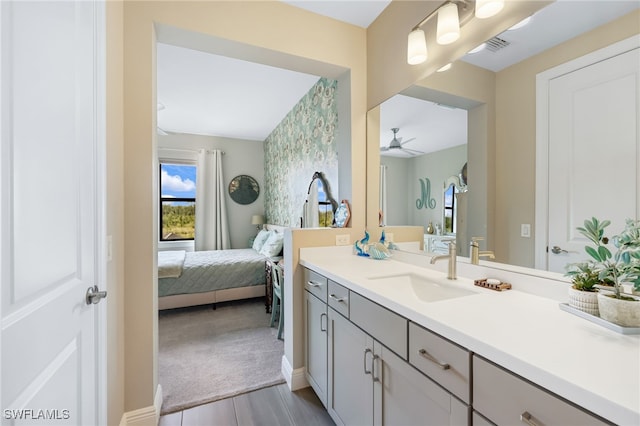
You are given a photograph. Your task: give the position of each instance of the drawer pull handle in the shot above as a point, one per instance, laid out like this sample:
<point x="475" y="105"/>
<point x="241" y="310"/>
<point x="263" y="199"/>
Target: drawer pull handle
<point x="313" y="284"/>
<point x="337" y="299"/>
<point x="526" y="418"/>
<point x="325" y="327"/>
<point x="367" y="351"/>
<point x="423" y="353"/>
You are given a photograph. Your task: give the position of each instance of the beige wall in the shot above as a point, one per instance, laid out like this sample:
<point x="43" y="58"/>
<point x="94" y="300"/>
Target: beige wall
<point x="115" y="213"/>
<point x="516" y="135"/>
<point x="268" y="25"/>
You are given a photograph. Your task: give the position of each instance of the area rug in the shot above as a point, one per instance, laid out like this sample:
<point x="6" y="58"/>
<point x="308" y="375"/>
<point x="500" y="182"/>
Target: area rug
<point x="205" y="355"/>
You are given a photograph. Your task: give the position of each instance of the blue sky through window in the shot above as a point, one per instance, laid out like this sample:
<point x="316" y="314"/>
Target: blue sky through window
<point x="178" y="180"/>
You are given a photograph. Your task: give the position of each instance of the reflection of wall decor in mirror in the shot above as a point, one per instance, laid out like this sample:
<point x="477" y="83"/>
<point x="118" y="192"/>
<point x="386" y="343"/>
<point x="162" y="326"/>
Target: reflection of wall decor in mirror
<point x="425" y="200"/>
<point x="320" y="206"/>
<point x="343" y="214"/>
<point x="463" y="175"/>
<point x="244" y="189"/>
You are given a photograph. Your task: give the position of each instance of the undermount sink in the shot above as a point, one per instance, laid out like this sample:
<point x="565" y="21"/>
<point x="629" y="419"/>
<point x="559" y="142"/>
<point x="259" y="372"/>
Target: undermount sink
<point x="425" y="288"/>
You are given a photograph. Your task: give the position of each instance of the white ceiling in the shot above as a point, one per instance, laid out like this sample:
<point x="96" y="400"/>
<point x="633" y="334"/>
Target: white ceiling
<point x="215" y="95"/>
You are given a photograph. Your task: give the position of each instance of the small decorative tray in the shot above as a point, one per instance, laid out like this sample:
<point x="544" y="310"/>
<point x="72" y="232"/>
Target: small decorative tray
<point x="498" y="287"/>
<point x="597" y="320"/>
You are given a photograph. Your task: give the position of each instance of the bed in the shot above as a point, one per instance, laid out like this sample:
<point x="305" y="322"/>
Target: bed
<point x="208" y="277"/>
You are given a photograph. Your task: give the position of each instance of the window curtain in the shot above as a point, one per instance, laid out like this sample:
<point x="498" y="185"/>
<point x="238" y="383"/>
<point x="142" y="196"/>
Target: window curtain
<point x="383" y="195"/>
<point x="212" y="225"/>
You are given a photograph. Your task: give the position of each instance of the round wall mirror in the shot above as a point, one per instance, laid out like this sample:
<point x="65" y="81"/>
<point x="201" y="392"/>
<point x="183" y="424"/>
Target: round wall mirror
<point x="244" y="189"/>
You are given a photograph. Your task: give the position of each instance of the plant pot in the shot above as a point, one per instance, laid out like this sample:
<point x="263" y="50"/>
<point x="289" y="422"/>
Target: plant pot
<point x="585" y="301"/>
<point x="625" y="313"/>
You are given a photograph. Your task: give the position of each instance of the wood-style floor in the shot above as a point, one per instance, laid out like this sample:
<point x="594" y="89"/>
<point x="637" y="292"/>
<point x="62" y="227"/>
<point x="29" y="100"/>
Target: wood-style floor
<point x="272" y="406"/>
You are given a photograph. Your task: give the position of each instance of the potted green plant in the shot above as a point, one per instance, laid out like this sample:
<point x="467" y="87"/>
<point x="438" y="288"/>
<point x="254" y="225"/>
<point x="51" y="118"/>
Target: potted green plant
<point x="583" y="293"/>
<point x="618" y="268"/>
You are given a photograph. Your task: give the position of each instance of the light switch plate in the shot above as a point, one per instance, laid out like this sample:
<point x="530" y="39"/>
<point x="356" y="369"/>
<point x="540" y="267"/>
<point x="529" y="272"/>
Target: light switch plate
<point x="343" y="240"/>
<point x="525" y="230"/>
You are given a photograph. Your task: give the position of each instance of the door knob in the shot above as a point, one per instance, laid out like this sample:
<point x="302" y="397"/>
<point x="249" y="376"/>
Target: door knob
<point x="558" y="250"/>
<point x="94" y="295"/>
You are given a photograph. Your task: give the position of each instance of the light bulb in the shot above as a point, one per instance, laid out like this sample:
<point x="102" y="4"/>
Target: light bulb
<point x="416" y="47"/>
<point x="448" y="24"/>
<point x="488" y="8"/>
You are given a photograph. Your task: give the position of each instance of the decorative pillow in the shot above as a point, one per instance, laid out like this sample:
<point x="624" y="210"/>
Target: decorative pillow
<point x="260" y="239"/>
<point x="273" y="246"/>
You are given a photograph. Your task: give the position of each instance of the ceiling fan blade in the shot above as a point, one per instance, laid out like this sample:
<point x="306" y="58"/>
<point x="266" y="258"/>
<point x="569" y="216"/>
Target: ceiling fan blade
<point x="384" y="148"/>
<point x="413" y="151"/>
<point x="407" y="141"/>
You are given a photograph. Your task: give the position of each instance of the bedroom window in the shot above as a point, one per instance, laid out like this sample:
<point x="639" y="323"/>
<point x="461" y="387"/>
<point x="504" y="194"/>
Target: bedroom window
<point x="177" y="201"/>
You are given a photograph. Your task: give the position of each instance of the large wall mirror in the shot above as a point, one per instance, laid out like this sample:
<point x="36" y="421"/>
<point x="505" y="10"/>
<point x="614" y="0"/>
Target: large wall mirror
<point x="492" y="94"/>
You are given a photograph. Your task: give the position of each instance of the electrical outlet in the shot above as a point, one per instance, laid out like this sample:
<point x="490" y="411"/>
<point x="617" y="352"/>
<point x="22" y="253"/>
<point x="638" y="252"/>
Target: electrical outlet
<point x="388" y="236"/>
<point x="343" y="240"/>
<point x="525" y="230"/>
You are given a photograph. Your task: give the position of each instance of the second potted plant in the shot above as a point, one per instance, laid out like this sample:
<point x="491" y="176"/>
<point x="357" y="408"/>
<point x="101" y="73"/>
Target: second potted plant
<point x="621" y="267"/>
<point x="583" y="294"/>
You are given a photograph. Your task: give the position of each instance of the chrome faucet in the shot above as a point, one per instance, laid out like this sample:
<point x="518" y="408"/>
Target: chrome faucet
<point x="475" y="252"/>
<point x="451" y="273"/>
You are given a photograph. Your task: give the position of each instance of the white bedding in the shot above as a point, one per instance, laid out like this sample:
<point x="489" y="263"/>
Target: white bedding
<point x="170" y="263"/>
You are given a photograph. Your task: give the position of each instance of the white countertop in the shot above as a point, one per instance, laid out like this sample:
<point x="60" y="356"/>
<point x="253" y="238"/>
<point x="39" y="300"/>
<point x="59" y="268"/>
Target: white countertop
<point x="590" y="365"/>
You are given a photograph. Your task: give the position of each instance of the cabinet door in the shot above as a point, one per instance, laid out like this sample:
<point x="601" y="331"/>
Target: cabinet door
<point x="350" y="381"/>
<point x="316" y="345"/>
<point x="404" y="396"/>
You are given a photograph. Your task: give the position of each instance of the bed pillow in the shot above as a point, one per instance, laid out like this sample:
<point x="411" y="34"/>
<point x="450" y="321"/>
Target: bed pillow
<point x="260" y="239"/>
<point x="273" y="246"/>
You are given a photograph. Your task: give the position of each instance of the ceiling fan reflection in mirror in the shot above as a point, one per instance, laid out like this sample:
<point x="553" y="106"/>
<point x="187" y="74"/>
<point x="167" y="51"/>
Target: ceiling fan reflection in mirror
<point x="397" y="146"/>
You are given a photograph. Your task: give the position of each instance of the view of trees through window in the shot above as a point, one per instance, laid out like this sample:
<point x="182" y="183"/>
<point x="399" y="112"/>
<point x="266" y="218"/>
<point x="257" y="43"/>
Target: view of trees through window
<point x="177" y="201"/>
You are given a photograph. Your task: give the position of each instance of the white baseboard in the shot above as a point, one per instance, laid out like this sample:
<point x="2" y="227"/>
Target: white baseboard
<point x="147" y="416"/>
<point x="295" y="378"/>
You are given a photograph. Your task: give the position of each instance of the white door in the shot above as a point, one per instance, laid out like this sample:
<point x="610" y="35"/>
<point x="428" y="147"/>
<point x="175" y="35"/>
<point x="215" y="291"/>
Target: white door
<point x="593" y="153"/>
<point x="51" y="134"/>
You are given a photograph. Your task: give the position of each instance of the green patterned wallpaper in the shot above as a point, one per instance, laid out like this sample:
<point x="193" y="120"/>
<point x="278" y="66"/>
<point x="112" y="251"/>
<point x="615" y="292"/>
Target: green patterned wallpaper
<point x="303" y="143"/>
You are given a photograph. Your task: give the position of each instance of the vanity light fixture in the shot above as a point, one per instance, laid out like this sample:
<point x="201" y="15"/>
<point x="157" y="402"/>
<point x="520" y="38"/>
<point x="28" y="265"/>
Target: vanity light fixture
<point x="416" y="47"/>
<point x="451" y="16"/>
<point x="448" y="28"/>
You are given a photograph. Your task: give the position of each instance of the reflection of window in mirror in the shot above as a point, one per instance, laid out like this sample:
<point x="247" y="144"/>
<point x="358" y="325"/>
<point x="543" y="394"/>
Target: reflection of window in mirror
<point x="325" y="209"/>
<point x="450" y="210"/>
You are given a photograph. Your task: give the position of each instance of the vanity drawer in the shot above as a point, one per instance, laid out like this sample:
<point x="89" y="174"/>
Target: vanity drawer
<point x="387" y="327"/>
<point x="505" y="398"/>
<point x="315" y="284"/>
<point x="339" y="298"/>
<point x="443" y="361"/>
